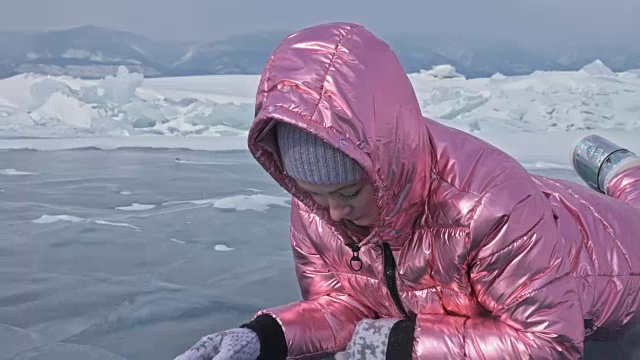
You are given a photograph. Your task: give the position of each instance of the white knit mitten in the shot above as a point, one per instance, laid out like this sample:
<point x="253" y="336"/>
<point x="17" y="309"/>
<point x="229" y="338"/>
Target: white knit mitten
<point x="369" y="341"/>
<point x="233" y="344"/>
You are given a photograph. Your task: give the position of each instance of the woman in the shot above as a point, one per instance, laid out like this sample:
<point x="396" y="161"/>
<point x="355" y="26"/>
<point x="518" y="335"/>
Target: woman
<point x="414" y="240"/>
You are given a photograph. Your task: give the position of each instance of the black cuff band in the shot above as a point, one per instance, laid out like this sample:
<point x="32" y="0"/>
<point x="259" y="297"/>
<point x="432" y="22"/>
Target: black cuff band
<point x="400" y="345"/>
<point x="273" y="345"/>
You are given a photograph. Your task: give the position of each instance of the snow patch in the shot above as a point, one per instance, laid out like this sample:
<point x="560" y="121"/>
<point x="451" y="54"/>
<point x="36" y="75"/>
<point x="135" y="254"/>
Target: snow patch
<point x="49" y="219"/>
<point x="442" y="72"/>
<point x="136" y="207"/>
<point x="223" y="248"/>
<point x="13" y="172"/>
<point x="103" y="222"/>
<point x="257" y="202"/>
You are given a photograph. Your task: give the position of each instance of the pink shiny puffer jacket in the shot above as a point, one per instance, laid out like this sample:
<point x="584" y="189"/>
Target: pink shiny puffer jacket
<point x="493" y="262"/>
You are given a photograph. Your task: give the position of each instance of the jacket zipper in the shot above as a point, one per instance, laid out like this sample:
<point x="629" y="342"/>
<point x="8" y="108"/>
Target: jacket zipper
<point x="390" y="278"/>
<point x="389" y="263"/>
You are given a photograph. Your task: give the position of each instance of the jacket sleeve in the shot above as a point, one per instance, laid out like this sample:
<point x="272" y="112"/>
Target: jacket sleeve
<point x="324" y="320"/>
<point x="519" y="273"/>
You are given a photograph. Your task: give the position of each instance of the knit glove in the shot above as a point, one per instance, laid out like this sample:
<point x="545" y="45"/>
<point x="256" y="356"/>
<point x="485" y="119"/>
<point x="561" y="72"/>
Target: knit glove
<point x="233" y="344"/>
<point x="369" y="341"/>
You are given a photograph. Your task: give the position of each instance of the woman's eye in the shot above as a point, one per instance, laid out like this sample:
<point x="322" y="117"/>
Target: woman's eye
<point x="350" y="196"/>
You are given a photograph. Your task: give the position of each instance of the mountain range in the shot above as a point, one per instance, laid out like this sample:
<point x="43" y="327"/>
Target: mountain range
<point x="94" y="52"/>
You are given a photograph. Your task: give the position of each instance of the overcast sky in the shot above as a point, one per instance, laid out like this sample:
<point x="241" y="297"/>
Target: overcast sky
<point x="535" y="21"/>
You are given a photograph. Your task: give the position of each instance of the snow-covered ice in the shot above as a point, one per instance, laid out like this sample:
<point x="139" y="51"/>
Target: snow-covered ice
<point x="133" y="221"/>
<point x="126" y="105"/>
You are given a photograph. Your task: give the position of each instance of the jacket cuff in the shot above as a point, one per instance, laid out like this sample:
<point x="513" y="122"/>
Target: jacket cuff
<point x="273" y="344"/>
<point x="400" y="345"/>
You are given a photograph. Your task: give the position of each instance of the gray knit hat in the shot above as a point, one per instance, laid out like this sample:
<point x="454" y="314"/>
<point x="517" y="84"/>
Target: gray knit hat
<point x="308" y="158"/>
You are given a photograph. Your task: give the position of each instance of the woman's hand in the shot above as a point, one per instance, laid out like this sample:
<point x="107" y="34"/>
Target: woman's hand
<point x="233" y="344"/>
<point x="369" y="341"/>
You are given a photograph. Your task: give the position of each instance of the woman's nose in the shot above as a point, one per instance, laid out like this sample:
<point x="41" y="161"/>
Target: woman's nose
<point x="338" y="210"/>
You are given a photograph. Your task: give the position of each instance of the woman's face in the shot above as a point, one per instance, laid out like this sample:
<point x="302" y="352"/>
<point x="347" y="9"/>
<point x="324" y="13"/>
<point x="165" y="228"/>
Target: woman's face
<point x="355" y="202"/>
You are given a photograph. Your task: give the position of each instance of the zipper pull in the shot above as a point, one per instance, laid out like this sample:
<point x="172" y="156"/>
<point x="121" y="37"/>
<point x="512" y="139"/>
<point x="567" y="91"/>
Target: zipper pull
<point x="355" y="263"/>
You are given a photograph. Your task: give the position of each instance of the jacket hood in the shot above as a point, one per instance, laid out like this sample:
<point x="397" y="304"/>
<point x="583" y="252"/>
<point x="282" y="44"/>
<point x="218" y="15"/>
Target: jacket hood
<point x="345" y="85"/>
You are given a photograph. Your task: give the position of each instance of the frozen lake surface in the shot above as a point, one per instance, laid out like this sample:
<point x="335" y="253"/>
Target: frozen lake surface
<point x="137" y="253"/>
